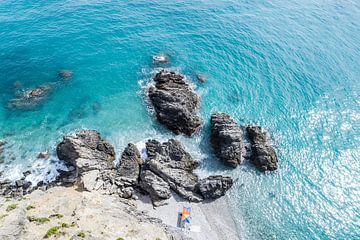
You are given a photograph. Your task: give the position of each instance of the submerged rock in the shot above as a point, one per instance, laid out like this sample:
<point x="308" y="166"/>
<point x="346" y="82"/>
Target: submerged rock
<point x="86" y="150"/>
<point x="65" y="73"/>
<point x="31" y="98"/>
<point x="226" y="139"/>
<point x="201" y="77"/>
<point x="263" y="154"/>
<point x="2" y="143"/>
<point x="214" y="186"/>
<point x="175" y="103"/>
<point x="175" y="166"/>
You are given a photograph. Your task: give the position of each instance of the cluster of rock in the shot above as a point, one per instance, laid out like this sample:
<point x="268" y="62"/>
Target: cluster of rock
<point x="175" y="103"/>
<point x="168" y="167"/>
<point x="30" y="98"/>
<point x="227" y="140"/>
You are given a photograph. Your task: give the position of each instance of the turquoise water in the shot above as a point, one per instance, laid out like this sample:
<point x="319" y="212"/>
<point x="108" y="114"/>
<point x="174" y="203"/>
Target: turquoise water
<point x="292" y="67"/>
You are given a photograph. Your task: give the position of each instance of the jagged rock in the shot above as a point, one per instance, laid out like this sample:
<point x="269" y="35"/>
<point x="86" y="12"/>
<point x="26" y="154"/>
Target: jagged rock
<point x="226" y="139"/>
<point x="175" y="103"/>
<point x="175" y="166"/>
<point x="161" y="58"/>
<point x="214" y="186"/>
<point x="87" y="151"/>
<point x="130" y="163"/>
<point x="2" y="143"/>
<point x="44" y="155"/>
<point x="263" y="154"/>
<point x="158" y="189"/>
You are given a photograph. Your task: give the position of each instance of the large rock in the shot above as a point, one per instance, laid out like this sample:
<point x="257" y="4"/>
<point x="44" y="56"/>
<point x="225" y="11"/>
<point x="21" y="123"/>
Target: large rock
<point x="226" y="139"/>
<point x="87" y="151"/>
<point x="214" y="187"/>
<point x="158" y="189"/>
<point x="130" y="163"/>
<point x="175" y="103"/>
<point x="263" y="154"/>
<point x="175" y="166"/>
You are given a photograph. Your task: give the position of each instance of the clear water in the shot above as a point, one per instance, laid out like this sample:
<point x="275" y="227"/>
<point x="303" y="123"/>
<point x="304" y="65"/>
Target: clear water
<point x="291" y="66"/>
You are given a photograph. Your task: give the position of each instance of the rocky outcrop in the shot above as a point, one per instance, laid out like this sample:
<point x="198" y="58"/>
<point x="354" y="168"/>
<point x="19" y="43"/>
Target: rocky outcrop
<point x="226" y="139"/>
<point x="86" y="150"/>
<point x="155" y="186"/>
<point x="130" y="163"/>
<point x="175" y="103"/>
<point x="263" y="154"/>
<point x="214" y="187"/>
<point x="175" y="166"/>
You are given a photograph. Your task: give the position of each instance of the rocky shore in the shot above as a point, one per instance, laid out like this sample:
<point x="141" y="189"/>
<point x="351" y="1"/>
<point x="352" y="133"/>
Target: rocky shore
<point x="96" y="179"/>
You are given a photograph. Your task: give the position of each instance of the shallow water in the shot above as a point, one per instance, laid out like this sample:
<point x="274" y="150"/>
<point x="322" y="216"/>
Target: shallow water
<point x="290" y="66"/>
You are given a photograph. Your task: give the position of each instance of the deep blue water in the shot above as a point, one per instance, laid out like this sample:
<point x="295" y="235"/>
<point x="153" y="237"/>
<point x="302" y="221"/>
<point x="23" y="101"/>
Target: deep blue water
<point x="291" y="66"/>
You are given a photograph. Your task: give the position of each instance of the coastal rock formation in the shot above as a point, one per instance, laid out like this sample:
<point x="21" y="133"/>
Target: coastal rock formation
<point x="87" y="151"/>
<point x="31" y="98"/>
<point x="175" y="103"/>
<point x="214" y="186"/>
<point x="175" y="166"/>
<point x="130" y="163"/>
<point x="158" y="189"/>
<point x="226" y="139"/>
<point x="263" y="154"/>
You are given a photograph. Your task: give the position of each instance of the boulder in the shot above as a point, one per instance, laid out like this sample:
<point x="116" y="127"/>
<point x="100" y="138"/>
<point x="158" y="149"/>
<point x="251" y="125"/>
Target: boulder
<point x="263" y="155"/>
<point x="201" y="77"/>
<point x="175" y="103"/>
<point x="130" y="163"/>
<point x="214" y="187"/>
<point x="158" y="189"/>
<point x="86" y="150"/>
<point x="226" y="139"/>
<point x="175" y="166"/>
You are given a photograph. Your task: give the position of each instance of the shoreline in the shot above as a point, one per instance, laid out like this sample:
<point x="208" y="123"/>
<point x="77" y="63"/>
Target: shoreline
<point x="210" y="219"/>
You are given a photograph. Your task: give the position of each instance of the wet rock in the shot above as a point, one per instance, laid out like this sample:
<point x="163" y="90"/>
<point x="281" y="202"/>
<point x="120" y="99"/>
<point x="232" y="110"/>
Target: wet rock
<point x="226" y="139"/>
<point x="31" y="98"/>
<point x="44" y="155"/>
<point x="161" y="58"/>
<point x="175" y="103"/>
<point x="201" y="77"/>
<point x="175" y="166"/>
<point x="158" y="189"/>
<point x="65" y="73"/>
<point x="86" y="150"/>
<point x="214" y="186"/>
<point x="2" y="143"/>
<point x="263" y="154"/>
<point x="130" y="163"/>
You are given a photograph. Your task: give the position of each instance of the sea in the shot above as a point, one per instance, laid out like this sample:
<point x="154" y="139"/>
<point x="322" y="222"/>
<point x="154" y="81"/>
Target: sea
<point x="290" y="66"/>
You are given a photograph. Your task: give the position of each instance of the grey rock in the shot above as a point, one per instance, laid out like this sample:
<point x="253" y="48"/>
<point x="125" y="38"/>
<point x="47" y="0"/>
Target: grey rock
<point x="44" y="155"/>
<point x="130" y="163"/>
<point x="2" y="143"/>
<point x="86" y="150"/>
<point x="263" y="154"/>
<point x="214" y="187"/>
<point x="175" y="103"/>
<point x="175" y="166"/>
<point x="226" y="139"/>
<point x="158" y="189"/>
<point x="65" y="73"/>
<point x="201" y="77"/>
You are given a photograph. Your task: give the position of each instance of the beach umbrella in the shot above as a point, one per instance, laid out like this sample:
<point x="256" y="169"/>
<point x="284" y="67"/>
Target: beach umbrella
<point x="185" y="215"/>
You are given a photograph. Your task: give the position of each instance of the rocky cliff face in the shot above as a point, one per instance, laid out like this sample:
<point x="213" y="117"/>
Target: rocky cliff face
<point x="175" y="103"/>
